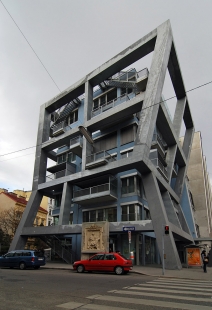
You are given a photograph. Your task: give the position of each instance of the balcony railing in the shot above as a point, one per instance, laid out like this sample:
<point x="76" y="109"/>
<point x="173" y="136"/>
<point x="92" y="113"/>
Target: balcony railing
<point x="99" y="155"/>
<point x="58" y="128"/>
<point x="58" y="174"/>
<point x="95" y="190"/>
<point x="157" y="139"/>
<point x="76" y="140"/>
<point x="160" y="167"/>
<point x="109" y="105"/>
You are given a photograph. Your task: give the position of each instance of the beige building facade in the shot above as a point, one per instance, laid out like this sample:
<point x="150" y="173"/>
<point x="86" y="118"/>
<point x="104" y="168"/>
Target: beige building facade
<point x="200" y="186"/>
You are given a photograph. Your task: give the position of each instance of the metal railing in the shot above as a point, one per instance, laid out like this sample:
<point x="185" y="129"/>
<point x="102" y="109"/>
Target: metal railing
<point x="96" y="156"/>
<point x="76" y="140"/>
<point x="58" y="174"/>
<point x="159" y="165"/>
<point x="95" y="190"/>
<point x="59" y="126"/>
<point x="156" y="138"/>
<point x="109" y="105"/>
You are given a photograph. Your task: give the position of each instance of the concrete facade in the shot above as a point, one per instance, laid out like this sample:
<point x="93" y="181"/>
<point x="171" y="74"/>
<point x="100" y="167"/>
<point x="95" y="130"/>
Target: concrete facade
<point x="118" y="157"/>
<point x="201" y="190"/>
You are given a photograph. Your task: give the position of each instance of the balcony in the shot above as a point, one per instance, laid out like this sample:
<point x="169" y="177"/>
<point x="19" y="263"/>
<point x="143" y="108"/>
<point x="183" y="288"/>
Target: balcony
<point x="98" y="159"/>
<point x="109" y="105"/>
<point x="58" y="172"/>
<point x="160" y="167"/>
<point x="58" y="129"/>
<point x="76" y="146"/>
<point x="104" y="192"/>
<point x="159" y="144"/>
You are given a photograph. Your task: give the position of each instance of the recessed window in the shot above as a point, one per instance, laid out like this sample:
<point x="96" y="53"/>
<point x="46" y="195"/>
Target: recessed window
<point x="131" y="212"/>
<point x="107" y="214"/>
<point x="73" y="117"/>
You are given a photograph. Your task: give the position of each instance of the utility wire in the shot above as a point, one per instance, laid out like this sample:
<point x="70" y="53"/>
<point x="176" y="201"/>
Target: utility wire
<point x="142" y="110"/>
<point x="30" y="46"/>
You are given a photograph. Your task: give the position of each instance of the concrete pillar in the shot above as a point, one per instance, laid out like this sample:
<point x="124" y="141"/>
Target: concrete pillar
<point x="159" y="220"/>
<point x="88" y="106"/>
<point x="170" y="159"/>
<point x="178" y="115"/>
<point x="170" y="211"/>
<point x="154" y="89"/>
<point x="65" y="204"/>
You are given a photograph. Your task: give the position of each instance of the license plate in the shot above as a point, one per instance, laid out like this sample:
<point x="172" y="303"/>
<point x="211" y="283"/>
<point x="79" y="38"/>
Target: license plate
<point x="40" y="258"/>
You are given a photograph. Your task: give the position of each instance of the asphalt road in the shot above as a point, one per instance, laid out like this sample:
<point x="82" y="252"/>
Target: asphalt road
<point x="51" y="289"/>
<point x="47" y="288"/>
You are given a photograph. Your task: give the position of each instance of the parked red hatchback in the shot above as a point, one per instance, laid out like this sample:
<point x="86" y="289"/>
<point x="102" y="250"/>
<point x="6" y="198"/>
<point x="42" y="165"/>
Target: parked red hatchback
<point x="112" y="262"/>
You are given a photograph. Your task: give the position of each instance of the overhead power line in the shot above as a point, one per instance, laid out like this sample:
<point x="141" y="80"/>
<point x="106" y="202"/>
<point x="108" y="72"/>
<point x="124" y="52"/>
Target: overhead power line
<point x="30" y="147"/>
<point x="31" y="47"/>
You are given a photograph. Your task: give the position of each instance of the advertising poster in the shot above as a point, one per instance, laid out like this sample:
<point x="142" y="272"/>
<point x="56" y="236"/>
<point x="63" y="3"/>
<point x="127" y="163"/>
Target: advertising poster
<point x="194" y="257"/>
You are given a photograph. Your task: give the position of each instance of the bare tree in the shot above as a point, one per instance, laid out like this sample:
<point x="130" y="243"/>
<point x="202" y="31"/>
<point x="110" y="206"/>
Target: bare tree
<point x="9" y="220"/>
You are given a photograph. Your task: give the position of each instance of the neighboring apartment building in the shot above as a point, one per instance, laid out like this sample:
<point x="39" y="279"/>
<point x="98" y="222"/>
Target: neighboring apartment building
<point x="201" y="191"/>
<point x="9" y="200"/>
<point x="117" y="159"/>
<point x="27" y="194"/>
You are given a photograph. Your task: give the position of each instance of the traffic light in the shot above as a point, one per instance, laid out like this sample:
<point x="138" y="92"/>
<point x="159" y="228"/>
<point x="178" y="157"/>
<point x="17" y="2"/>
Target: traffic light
<point x="166" y="230"/>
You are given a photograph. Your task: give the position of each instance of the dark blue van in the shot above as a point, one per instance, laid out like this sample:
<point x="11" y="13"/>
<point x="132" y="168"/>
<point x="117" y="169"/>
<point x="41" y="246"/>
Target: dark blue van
<point x="23" y="259"/>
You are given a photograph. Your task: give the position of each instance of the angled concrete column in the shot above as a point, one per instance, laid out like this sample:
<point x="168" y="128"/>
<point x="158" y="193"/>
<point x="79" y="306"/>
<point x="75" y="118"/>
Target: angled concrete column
<point x="170" y="159"/>
<point x="187" y="142"/>
<point x="178" y="115"/>
<point x="182" y="219"/>
<point x="40" y="156"/>
<point x="39" y="176"/>
<point x="65" y="204"/>
<point x="27" y="220"/>
<point x="159" y="220"/>
<point x="170" y="211"/>
<point x="154" y="89"/>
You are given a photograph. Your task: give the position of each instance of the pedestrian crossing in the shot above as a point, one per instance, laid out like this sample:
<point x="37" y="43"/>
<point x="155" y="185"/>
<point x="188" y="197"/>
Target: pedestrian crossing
<point x="160" y="293"/>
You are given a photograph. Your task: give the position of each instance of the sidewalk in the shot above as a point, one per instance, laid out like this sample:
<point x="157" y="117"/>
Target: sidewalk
<point x="194" y="273"/>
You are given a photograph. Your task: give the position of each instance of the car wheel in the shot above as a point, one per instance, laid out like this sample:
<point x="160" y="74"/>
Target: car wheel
<point x="36" y="267"/>
<point x="119" y="270"/>
<point x="80" y="268"/>
<point x="22" y="266"/>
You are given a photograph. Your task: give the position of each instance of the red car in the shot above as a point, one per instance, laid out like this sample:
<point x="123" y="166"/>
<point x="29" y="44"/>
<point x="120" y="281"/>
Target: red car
<point x="112" y="262"/>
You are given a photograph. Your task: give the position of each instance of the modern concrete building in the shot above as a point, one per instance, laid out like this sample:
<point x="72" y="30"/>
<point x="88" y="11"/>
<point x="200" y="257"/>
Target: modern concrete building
<point x="200" y="186"/>
<point x="117" y="159"/>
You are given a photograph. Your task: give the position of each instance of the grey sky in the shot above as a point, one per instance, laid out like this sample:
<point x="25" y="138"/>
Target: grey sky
<point x="72" y="38"/>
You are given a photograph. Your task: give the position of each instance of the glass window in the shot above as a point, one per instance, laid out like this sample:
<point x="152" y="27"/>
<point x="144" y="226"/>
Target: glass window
<point x="128" y="185"/>
<point x="61" y="158"/>
<point x="100" y="215"/>
<point x="71" y="219"/>
<point x="102" y="100"/>
<point x="58" y="201"/>
<point x="108" y="214"/>
<point x="93" y="216"/>
<point x="111" y="214"/>
<point x="73" y="117"/>
<point x="71" y="157"/>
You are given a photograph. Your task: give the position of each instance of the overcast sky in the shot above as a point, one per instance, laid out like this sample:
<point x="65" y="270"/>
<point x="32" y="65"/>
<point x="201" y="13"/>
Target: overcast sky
<point x="74" y="37"/>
